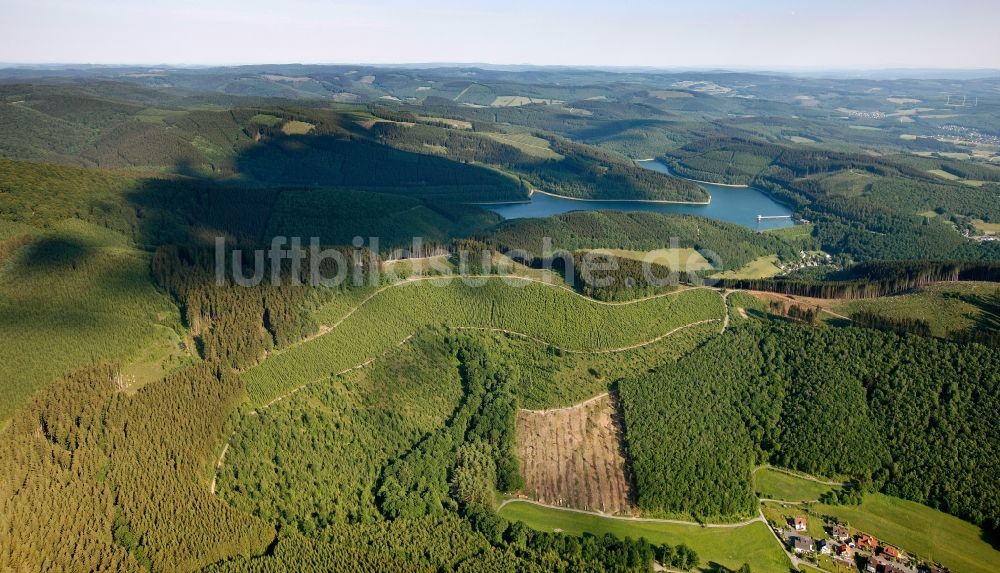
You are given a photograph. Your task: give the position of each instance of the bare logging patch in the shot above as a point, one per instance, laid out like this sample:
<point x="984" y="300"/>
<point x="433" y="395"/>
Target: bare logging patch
<point x="572" y="457"/>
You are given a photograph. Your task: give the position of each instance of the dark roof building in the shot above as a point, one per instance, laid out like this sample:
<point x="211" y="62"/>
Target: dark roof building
<point x="803" y="544"/>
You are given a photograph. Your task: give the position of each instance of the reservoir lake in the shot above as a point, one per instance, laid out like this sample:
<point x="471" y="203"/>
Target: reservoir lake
<point x="739" y="205"/>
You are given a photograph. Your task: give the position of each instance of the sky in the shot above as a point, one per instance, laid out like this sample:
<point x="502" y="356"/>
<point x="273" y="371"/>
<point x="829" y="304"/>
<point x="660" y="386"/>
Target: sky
<point x="753" y="34"/>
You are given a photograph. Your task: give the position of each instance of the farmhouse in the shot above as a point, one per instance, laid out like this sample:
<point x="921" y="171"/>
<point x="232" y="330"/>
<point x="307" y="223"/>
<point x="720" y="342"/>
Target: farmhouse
<point x="841" y="532"/>
<point x="799" y="522"/>
<point x="867" y="542"/>
<point x="845" y="552"/>
<point x="892" y="552"/>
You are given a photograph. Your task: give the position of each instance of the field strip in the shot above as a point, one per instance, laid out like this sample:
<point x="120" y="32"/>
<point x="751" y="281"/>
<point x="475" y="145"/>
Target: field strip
<point x="759" y="518"/>
<point x="786" y="502"/>
<point x="574" y="351"/>
<point x="801" y="475"/>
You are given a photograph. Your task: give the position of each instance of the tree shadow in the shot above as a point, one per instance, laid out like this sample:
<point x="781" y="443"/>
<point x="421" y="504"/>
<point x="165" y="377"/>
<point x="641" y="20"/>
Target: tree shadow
<point x="343" y="186"/>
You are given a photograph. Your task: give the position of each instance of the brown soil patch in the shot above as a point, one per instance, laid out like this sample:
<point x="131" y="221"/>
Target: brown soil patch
<point x="573" y="456"/>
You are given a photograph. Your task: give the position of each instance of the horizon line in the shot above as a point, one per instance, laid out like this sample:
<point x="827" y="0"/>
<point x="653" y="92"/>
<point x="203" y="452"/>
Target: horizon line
<point x="424" y="64"/>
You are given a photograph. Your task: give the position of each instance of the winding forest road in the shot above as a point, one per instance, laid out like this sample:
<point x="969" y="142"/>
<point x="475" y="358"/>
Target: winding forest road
<point x="759" y="518"/>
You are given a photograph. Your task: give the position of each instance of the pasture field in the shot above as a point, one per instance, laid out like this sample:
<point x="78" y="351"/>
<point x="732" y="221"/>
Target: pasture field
<point x="801" y="140"/>
<point x="669" y="94"/>
<point x="266" y="119"/>
<point x="920" y="530"/>
<point x="395" y="312"/>
<point x="679" y="259"/>
<point x="774" y="484"/>
<point x="761" y="267"/>
<point x="296" y="127"/>
<point x="729" y="546"/>
<point x="849" y="183"/>
<point x="944" y="174"/>
<point x="796" y="233"/>
<point x="573" y="456"/>
<point x="527" y="143"/>
<point x="73" y="296"/>
<point x="988" y="228"/>
<point x="948" y="307"/>
<point x="453" y="123"/>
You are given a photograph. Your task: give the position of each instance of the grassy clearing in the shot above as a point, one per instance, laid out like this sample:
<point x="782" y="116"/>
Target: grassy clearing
<point x="730" y="547"/>
<point x="795" y="233"/>
<point x="679" y="259"/>
<point x="988" y="228"/>
<point x="849" y="183"/>
<point x="295" y="127"/>
<point x="800" y="139"/>
<point x="669" y="94"/>
<point x="772" y="484"/>
<point x="946" y="306"/>
<point x="944" y="174"/>
<point x="570" y="321"/>
<point x="527" y="143"/>
<point x="453" y="123"/>
<point x="266" y="119"/>
<point x="761" y="267"/>
<point x="76" y="295"/>
<point x="920" y="530"/>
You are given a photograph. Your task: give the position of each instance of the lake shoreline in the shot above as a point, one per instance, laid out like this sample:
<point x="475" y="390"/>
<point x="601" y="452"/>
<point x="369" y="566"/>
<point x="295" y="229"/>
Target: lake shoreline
<point x="740" y="206"/>
<point x="672" y="174"/>
<point x="659" y="201"/>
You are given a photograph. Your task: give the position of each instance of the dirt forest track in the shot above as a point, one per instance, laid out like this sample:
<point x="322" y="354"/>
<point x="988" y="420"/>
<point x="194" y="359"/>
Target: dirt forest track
<point x="759" y="518"/>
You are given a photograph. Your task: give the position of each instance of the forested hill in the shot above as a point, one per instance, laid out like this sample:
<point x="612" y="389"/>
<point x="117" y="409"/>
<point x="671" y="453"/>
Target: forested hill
<point x="368" y="146"/>
<point x="728" y="245"/>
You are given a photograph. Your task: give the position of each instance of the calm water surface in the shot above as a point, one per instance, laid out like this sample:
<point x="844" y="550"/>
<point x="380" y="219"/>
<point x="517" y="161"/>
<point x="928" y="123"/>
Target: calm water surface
<point x="739" y="205"/>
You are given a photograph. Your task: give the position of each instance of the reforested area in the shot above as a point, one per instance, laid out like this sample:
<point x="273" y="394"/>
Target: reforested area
<point x="905" y="415"/>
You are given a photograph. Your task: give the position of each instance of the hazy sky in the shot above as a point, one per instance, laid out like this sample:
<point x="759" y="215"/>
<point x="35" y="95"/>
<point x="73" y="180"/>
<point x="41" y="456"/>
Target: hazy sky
<point x="735" y="33"/>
